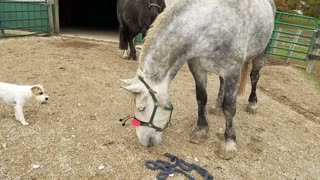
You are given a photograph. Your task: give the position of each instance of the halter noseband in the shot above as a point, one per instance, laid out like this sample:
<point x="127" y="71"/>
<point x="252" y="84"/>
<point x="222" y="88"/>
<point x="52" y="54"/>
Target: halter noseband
<point x="156" y="5"/>
<point x="156" y="105"/>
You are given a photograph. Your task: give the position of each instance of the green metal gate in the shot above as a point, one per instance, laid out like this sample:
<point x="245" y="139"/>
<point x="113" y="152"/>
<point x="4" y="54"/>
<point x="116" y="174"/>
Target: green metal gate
<point x="293" y="36"/>
<point x="22" y="18"/>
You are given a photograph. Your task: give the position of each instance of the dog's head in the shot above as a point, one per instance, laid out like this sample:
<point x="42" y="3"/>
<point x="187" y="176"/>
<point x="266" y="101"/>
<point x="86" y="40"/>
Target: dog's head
<point x="39" y="93"/>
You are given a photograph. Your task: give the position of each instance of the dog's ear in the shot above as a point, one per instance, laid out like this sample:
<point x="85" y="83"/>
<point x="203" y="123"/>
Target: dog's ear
<point x="36" y="90"/>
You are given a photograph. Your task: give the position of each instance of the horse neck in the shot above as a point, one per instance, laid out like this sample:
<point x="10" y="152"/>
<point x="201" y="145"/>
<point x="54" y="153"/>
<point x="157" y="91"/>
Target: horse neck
<point x="163" y="52"/>
<point x="161" y="58"/>
<point x="160" y="68"/>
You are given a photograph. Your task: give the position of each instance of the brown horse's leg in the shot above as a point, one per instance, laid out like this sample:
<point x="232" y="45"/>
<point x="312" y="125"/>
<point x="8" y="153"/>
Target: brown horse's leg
<point x="133" y="54"/>
<point x="123" y="38"/>
<point x="123" y="41"/>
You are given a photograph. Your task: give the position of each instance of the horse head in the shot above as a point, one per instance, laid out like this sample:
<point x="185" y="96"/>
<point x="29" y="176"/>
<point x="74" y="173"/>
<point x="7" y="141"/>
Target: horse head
<point x="155" y="8"/>
<point x="152" y="109"/>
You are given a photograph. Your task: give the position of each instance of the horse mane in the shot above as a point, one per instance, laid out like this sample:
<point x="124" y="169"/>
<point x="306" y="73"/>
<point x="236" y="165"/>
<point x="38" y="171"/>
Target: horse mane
<point x="163" y="19"/>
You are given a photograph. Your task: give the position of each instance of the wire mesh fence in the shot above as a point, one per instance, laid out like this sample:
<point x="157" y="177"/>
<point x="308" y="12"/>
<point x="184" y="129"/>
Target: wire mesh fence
<point x="23" y="17"/>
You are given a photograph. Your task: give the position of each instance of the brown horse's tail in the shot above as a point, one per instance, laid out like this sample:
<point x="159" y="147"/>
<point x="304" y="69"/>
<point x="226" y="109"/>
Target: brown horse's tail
<point x="244" y="77"/>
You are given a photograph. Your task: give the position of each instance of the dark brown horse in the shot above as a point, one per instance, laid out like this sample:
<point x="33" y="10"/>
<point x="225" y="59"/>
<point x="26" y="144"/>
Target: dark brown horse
<point x="136" y="16"/>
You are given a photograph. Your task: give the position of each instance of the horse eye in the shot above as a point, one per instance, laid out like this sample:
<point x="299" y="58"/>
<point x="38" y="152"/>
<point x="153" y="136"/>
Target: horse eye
<point x="141" y="109"/>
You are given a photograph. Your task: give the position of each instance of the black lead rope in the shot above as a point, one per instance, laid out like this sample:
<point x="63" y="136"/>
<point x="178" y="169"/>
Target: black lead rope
<point x="179" y="166"/>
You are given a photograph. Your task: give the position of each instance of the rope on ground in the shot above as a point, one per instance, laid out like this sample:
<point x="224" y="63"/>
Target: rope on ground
<point x="178" y="166"/>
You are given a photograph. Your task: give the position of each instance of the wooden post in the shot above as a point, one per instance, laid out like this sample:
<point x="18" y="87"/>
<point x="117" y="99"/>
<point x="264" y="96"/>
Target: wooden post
<point x="57" y="19"/>
<point x="51" y="29"/>
<point x="310" y="66"/>
<point x="312" y="58"/>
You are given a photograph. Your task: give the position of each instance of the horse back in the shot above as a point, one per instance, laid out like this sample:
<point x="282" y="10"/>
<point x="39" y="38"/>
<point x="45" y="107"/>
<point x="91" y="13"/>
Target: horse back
<point x="234" y="27"/>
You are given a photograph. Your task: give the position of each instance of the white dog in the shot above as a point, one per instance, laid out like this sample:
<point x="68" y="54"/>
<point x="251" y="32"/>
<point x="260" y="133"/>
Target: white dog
<point x="19" y="95"/>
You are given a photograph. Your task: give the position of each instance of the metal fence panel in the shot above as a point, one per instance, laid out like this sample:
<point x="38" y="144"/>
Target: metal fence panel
<point x="21" y="18"/>
<point x="293" y="36"/>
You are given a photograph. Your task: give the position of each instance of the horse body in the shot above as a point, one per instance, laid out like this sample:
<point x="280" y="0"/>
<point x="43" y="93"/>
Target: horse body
<point x="210" y="35"/>
<point x="136" y="16"/>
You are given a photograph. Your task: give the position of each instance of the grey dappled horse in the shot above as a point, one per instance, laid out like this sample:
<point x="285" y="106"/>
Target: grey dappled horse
<point x="136" y="16"/>
<point x="220" y="36"/>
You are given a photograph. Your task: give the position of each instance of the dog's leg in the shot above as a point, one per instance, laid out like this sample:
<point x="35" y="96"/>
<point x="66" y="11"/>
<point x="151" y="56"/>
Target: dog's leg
<point x="19" y="115"/>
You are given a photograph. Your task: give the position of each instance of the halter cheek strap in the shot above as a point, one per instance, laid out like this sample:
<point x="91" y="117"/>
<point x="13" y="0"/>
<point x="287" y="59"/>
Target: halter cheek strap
<point x="135" y="121"/>
<point x="156" y="5"/>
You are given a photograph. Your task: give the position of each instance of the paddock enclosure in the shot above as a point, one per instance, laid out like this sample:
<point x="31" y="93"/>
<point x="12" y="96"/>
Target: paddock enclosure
<point x="78" y="130"/>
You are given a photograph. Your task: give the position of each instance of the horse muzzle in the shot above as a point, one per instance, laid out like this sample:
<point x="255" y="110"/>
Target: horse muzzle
<point x="148" y="136"/>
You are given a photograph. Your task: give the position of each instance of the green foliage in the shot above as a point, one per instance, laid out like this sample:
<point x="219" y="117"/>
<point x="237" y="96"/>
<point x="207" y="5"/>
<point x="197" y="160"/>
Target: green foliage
<point x="287" y="5"/>
<point x="308" y="7"/>
<point x="311" y="8"/>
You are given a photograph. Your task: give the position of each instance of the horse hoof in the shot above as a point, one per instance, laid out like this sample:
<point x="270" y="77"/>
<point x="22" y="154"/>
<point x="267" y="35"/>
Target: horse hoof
<point x="134" y="57"/>
<point x="252" y="108"/>
<point x="125" y="55"/>
<point x="199" y="134"/>
<point x="228" y="150"/>
<point x="216" y="110"/>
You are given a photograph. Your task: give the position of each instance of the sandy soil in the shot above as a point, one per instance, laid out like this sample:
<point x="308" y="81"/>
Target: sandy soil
<point x="78" y="130"/>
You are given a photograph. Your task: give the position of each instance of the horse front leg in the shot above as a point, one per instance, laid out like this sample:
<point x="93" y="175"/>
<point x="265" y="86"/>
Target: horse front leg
<point x="133" y="54"/>
<point x="254" y="76"/>
<point x="200" y="132"/>
<point x="228" y="148"/>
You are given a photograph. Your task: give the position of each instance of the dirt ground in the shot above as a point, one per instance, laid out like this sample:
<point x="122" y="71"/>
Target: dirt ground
<point x="78" y="130"/>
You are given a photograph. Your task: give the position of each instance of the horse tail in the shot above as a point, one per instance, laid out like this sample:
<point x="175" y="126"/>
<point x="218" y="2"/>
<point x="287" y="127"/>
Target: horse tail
<point x="244" y="78"/>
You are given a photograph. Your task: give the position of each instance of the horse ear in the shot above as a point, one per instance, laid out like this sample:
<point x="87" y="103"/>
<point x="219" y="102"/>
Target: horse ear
<point x="130" y="81"/>
<point x="134" y="88"/>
